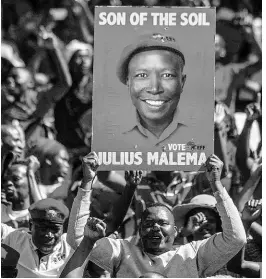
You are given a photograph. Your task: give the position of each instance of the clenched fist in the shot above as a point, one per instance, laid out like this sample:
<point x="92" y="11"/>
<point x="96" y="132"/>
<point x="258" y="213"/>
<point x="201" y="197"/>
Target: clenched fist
<point x="47" y="39"/>
<point x="253" y="110"/>
<point x="219" y="113"/>
<point x="94" y="229"/>
<point x="252" y="211"/>
<point x="194" y="223"/>
<point x="214" y="168"/>
<point x="33" y="163"/>
<point x="90" y="164"/>
<point x="133" y="177"/>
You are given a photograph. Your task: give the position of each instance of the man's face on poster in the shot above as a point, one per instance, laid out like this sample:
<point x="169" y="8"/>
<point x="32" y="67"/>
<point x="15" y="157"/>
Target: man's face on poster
<point x="155" y="82"/>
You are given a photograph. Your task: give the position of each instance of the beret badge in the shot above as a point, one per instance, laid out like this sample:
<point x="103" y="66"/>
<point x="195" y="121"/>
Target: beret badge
<point x="163" y="38"/>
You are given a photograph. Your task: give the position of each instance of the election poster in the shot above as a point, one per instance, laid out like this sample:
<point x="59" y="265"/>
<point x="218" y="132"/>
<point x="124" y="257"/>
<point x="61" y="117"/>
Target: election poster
<point x="153" y="87"/>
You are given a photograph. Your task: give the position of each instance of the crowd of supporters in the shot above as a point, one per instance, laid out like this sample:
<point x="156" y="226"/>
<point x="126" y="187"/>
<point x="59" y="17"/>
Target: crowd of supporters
<point x="55" y="204"/>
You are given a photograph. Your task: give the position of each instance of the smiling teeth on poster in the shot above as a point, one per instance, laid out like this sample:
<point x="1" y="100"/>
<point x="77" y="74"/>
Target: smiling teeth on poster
<point x="153" y="87"/>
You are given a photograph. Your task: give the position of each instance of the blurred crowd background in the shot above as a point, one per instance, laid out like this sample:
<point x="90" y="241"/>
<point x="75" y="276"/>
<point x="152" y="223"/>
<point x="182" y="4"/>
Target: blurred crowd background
<point x="46" y="101"/>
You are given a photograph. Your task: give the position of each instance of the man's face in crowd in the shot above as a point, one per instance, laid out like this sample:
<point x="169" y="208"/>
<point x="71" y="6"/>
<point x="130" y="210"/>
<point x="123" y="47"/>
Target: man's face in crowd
<point x="207" y="229"/>
<point x="155" y="83"/>
<point x="16" y="183"/>
<point x="157" y="230"/>
<point x="12" y="141"/>
<point x="46" y="235"/>
<point x="82" y="62"/>
<point x="60" y="163"/>
<point x="20" y="81"/>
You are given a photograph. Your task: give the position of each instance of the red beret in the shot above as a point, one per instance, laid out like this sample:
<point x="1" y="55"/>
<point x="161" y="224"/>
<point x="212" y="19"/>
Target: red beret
<point x="144" y="43"/>
<point x="50" y="210"/>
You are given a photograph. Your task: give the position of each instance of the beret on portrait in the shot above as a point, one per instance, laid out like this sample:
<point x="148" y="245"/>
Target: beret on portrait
<point x="9" y="256"/>
<point x="51" y="210"/>
<point x="146" y="42"/>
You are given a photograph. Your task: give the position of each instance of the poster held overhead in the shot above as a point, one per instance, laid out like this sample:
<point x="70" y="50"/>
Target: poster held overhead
<point x="153" y="98"/>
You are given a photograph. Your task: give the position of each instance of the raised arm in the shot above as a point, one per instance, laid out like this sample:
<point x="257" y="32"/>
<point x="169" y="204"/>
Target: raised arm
<point x="33" y="166"/>
<point x="85" y="20"/>
<point x="120" y="209"/>
<point x="238" y="264"/>
<point x="64" y="81"/>
<point x="80" y="210"/>
<point x="250" y="186"/>
<point x="249" y="68"/>
<point x="220" y="136"/>
<point x="243" y="159"/>
<point x="35" y="61"/>
<point x="51" y="44"/>
<point x="216" y="251"/>
<point x="94" y="230"/>
<point x="257" y="65"/>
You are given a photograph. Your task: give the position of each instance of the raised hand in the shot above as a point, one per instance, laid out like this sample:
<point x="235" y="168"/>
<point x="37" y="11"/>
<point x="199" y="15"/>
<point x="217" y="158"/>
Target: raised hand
<point x="194" y="223"/>
<point x="94" y="229"/>
<point x="253" y="110"/>
<point x="3" y="197"/>
<point x="90" y="164"/>
<point x="47" y="39"/>
<point x="133" y="177"/>
<point x="33" y="163"/>
<point x="252" y="211"/>
<point x="219" y="113"/>
<point x="256" y="171"/>
<point x="214" y="168"/>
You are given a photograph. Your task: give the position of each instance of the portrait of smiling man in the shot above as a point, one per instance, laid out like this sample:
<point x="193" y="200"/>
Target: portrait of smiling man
<point x="153" y="90"/>
<point x="152" y="69"/>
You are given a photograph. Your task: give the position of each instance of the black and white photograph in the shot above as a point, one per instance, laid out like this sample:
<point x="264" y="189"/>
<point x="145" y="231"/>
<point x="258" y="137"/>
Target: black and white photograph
<point x="131" y="139"/>
<point x="153" y="90"/>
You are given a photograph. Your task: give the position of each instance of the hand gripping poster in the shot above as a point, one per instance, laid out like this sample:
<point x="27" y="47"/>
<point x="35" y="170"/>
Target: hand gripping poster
<point x="153" y="88"/>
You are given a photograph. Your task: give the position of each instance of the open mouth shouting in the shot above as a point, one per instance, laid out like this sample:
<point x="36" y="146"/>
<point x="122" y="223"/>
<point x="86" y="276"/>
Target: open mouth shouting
<point x="48" y="243"/>
<point x="154" y="237"/>
<point x="9" y="191"/>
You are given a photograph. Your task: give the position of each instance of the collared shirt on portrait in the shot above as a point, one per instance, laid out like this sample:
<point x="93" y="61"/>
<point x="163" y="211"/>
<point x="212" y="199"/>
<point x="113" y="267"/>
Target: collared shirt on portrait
<point x="135" y="135"/>
<point x="30" y="265"/>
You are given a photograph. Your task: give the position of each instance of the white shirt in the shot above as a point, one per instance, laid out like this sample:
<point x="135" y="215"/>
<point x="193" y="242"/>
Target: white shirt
<point x="16" y="219"/>
<point x="29" y="264"/>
